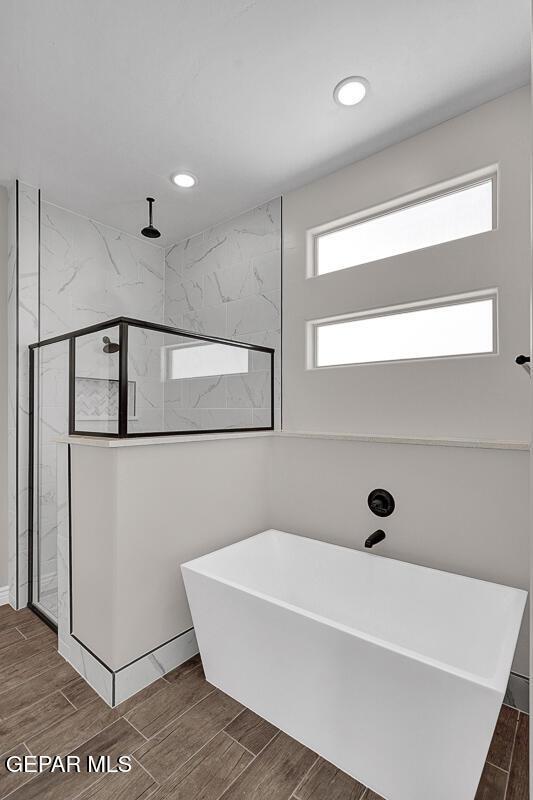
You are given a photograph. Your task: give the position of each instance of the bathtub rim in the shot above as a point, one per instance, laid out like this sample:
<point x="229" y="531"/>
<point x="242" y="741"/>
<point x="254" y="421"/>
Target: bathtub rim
<point x="496" y="682"/>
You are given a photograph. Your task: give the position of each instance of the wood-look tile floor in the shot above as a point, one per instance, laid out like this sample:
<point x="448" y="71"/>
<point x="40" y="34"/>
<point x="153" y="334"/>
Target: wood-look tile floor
<point x="188" y="740"/>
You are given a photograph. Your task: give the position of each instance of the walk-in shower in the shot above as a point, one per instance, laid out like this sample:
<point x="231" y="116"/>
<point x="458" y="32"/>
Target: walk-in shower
<point x="129" y="378"/>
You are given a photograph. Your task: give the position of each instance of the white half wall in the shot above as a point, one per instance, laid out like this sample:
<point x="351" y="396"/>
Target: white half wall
<point x="459" y="509"/>
<point x="156" y="507"/>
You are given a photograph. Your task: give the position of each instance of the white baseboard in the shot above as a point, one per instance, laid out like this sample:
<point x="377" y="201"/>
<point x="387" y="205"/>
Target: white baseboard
<point x="4" y="595"/>
<point x="116" y="686"/>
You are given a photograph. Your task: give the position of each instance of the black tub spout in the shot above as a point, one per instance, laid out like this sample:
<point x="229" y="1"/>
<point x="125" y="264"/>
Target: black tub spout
<point x="375" y="538"/>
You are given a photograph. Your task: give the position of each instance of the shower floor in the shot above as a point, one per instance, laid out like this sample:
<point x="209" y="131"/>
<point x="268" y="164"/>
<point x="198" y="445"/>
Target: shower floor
<point x="189" y="741"/>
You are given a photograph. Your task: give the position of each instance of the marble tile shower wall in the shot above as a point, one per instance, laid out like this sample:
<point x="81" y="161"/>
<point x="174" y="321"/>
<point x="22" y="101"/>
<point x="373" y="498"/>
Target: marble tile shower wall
<point x="89" y="273"/>
<point x="227" y="282"/>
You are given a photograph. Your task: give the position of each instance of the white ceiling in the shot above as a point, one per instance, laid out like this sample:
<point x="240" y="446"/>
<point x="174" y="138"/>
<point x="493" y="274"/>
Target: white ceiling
<point x="101" y="100"/>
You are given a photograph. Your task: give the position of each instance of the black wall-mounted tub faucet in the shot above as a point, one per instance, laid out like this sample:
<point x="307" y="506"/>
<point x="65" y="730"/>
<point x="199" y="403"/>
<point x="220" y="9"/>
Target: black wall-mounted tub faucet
<point x="375" y="538"/>
<point x="381" y="502"/>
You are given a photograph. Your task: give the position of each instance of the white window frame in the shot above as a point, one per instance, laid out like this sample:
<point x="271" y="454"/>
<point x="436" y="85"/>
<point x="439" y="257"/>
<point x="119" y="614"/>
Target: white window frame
<point x="470" y="297"/>
<point x="417" y="197"/>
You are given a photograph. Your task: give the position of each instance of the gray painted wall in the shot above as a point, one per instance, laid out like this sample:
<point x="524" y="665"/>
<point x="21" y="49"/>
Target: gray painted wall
<point x="3" y="388"/>
<point x="455" y="507"/>
<point x="480" y="397"/>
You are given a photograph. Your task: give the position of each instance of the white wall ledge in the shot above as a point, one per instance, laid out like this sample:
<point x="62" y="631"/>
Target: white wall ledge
<point x="104" y="441"/>
<point x="484" y="444"/>
<point x="489" y="444"/>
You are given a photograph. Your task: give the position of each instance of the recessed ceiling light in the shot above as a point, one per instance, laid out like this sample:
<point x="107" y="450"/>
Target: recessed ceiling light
<point x="185" y="180"/>
<point x="350" y="91"/>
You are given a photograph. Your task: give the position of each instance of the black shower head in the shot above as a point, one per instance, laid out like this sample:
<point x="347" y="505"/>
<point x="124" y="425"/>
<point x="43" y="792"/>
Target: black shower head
<point x="109" y="346"/>
<point x="150" y="232"/>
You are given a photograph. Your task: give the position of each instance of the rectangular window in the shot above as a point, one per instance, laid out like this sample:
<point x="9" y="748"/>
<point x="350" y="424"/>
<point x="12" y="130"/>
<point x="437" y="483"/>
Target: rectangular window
<point x="448" y="327"/>
<point x="450" y="215"/>
<point x="201" y="360"/>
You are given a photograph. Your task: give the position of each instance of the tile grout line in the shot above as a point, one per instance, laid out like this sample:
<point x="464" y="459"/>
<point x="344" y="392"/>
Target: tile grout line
<point x="233" y="739"/>
<point x="164" y="677"/>
<point x="254" y="756"/>
<point x="36" y="675"/>
<point x="236" y="778"/>
<point x="149" y="700"/>
<point x="303" y="779"/>
<point x="193" y="755"/>
<point x="501" y="769"/>
<point x="511" y="759"/>
<point x="23" y="636"/>
<point x="157" y="784"/>
<point x="88" y="739"/>
<point x="220" y="796"/>
<point x="146" y="738"/>
<point x="18" y="744"/>
<point x="32" y="705"/>
<point x="68" y="701"/>
<point x="12" y="791"/>
<point x="85" y="788"/>
<point x="174" y="719"/>
<point x="25" y="782"/>
<point x="100" y="780"/>
<point x="19" y="642"/>
<point x="57" y="690"/>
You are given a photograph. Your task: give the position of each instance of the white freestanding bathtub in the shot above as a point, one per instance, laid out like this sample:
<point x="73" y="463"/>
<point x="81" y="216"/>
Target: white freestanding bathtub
<point x="393" y="672"/>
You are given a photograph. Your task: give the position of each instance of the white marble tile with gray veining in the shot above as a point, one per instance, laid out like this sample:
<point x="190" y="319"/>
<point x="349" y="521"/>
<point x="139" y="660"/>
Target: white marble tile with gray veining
<point x="231" y="282"/>
<point x="208" y="392"/>
<point x="185" y="295"/>
<point x="243" y="279"/>
<point x="221" y="419"/>
<point x="226" y="282"/>
<point x="250" y="390"/>
<point x="253" y="314"/>
<point x="207" y="252"/>
<point x="209" y="321"/>
<point x="131" y="679"/>
<point x="174" y="259"/>
<point x="180" y="419"/>
<point x="261" y="417"/>
<point x="174" y="314"/>
<point x="173" y="391"/>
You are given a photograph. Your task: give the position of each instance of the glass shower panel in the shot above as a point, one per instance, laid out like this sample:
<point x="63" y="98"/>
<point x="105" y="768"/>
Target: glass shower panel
<point x="96" y="387"/>
<point x="184" y="384"/>
<point x="145" y="380"/>
<point x="50" y="422"/>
